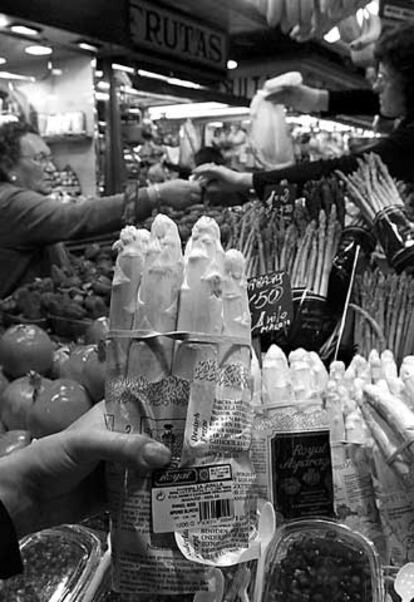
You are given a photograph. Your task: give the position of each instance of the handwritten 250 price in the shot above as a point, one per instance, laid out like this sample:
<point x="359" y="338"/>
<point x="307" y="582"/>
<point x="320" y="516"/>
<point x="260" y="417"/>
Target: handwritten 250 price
<point x="260" y="299"/>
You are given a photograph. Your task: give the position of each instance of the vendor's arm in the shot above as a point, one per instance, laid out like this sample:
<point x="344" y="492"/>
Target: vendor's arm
<point x="32" y="219"/>
<point x="351" y="102"/>
<point x="396" y="151"/>
<point x="306" y="99"/>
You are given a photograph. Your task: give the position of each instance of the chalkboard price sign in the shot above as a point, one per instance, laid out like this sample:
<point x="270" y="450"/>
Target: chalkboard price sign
<point x="270" y="300"/>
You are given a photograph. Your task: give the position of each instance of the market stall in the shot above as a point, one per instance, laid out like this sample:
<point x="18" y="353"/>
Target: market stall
<point x="268" y="344"/>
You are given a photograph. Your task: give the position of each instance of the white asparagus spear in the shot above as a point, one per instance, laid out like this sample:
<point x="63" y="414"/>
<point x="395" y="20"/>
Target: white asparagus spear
<point x="395" y="412"/>
<point x="201" y="302"/>
<point x="157" y="300"/>
<point x="236" y="312"/>
<point x="131" y="247"/>
<point x="276" y="381"/>
<point x="319" y="373"/>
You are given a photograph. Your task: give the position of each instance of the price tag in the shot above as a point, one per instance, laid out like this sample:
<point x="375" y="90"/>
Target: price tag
<point x="281" y="197"/>
<point x="270" y="300"/>
<point x="194" y="497"/>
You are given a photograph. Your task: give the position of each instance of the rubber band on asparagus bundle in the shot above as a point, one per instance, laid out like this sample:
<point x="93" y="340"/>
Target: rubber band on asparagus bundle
<point x="400" y="450"/>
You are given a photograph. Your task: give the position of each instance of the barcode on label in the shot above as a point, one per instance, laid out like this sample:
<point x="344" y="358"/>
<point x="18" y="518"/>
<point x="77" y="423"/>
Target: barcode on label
<point x="216" y="509"/>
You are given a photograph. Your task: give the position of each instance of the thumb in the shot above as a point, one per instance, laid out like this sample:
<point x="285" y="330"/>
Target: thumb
<point x="132" y="450"/>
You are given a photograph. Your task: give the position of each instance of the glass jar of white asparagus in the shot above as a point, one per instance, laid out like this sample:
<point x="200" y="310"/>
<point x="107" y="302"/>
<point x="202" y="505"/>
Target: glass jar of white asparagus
<point x="313" y="320"/>
<point x="395" y="233"/>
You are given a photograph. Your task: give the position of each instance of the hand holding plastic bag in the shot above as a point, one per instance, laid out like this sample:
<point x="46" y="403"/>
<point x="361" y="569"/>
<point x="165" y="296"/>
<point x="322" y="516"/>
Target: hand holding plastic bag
<point x="268" y="134"/>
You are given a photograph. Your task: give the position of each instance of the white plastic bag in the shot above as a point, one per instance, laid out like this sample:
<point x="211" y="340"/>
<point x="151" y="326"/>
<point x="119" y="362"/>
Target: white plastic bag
<point x="269" y="135"/>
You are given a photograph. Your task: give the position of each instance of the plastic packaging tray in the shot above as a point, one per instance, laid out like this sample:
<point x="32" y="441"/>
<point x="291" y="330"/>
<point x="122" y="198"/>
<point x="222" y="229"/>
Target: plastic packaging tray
<point x="321" y="560"/>
<point x="59" y="564"/>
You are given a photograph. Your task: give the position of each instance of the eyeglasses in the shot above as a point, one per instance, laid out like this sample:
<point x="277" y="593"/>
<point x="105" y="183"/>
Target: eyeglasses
<point x="41" y="158"/>
<point x="383" y="79"/>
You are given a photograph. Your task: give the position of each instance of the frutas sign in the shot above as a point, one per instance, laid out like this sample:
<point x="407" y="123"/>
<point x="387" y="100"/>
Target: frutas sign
<point x="169" y="33"/>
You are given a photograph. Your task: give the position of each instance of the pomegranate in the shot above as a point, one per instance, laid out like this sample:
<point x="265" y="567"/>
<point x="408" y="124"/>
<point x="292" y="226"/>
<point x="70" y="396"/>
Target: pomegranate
<point x="57" y="406"/>
<point x="93" y="372"/>
<point x="97" y="331"/>
<point x="13" y="440"/>
<point x="60" y="357"/>
<point x="4" y="381"/>
<point x="73" y="366"/>
<point x="18" y="398"/>
<point x="25" y="347"/>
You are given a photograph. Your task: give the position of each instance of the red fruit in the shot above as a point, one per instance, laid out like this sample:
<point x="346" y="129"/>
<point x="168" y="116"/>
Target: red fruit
<point x="60" y="357"/>
<point x="57" y="406"/>
<point x="73" y="366"/>
<point x="97" y="331"/>
<point x="25" y="347"/>
<point x="4" y="382"/>
<point x="18" y="398"/>
<point x="13" y="440"/>
<point x="93" y="372"/>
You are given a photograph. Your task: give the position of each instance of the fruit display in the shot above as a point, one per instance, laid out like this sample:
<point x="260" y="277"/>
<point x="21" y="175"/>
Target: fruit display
<point x="56" y="406"/>
<point x="79" y="290"/>
<point x="186" y="218"/>
<point x="46" y="385"/>
<point x="25" y="347"/>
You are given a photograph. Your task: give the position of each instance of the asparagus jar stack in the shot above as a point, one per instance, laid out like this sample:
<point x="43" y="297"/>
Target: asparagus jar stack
<point x="178" y="369"/>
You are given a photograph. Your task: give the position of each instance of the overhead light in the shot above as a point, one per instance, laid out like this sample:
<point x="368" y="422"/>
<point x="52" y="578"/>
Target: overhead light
<point x="56" y="71"/>
<point x="332" y="36"/>
<point x="98" y="73"/>
<point x="38" y="50"/>
<point x="175" y="81"/>
<point x="102" y="96"/>
<point x="124" y="68"/>
<point x="103" y="85"/>
<point x="16" y="76"/>
<point x="4" y="21"/>
<point x="152" y="74"/>
<point x="184" y="83"/>
<point x="231" y="64"/>
<point x="87" y="46"/>
<point x="197" y="109"/>
<point x="2" y="60"/>
<point x="373" y="7"/>
<point x="24" y="30"/>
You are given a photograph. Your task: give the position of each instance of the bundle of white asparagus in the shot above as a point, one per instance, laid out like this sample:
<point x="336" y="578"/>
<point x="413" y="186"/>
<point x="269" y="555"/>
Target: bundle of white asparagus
<point x="179" y="371"/>
<point x="386" y="319"/>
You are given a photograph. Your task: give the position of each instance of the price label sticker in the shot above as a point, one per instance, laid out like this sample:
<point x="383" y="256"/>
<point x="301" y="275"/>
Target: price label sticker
<point x="194" y="497"/>
<point x="270" y="301"/>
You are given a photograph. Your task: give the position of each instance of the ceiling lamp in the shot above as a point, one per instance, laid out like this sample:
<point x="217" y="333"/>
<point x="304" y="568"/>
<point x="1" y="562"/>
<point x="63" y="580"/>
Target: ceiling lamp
<point x="332" y="36"/>
<point x="231" y="64"/>
<point x="2" y="60"/>
<point x="124" y="68"/>
<point x="4" y="21"/>
<point x="38" y="50"/>
<point x="24" y="30"/>
<point x="88" y="47"/>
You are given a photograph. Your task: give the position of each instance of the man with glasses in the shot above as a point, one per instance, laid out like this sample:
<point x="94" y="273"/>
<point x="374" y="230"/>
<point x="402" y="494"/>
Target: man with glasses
<point x="392" y="96"/>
